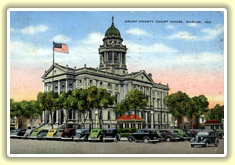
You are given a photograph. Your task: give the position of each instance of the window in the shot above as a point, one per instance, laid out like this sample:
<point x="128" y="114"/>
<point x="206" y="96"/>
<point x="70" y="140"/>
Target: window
<point x="115" y="57"/>
<point x="164" y="119"/>
<point x="109" y="115"/>
<point x="158" y="117"/>
<point x="109" y="85"/>
<point x="90" y="82"/>
<point x="116" y="86"/>
<point x="101" y="83"/>
<point x="70" y="83"/>
<point x="109" y="57"/>
<point x="101" y="115"/>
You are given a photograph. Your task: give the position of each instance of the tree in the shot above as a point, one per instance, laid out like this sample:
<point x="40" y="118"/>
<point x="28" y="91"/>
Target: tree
<point x="198" y="106"/>
<point x="121" y="108"/>
<point x="216" y="113"/>
<point x="136" y="100"/>
<point x="47" y="102"/>
<point x="99" y="98"/>
<point x="178" y="104"/>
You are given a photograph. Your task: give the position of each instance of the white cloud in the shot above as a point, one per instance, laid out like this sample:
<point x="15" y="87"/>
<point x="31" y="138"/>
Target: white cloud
<point x="136" y="32"/>
<point x="145" y="49"/>
<point x="170" y="27"/>
<point x="192" y="24"/>
<point x="211" y="34"/>
<point x="205" y="57"/>
<point x="31" y="30"/>
<point x="61" y="38"/>
<point x="183" y="35"/>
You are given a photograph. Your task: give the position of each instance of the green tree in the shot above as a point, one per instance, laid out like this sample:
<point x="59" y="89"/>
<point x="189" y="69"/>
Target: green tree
<point x="135" y="100"/>
<point x="216" y="113"/>
<point x="99" y="98"/>
<point x="48" y="102"/>
<point x="121" y="108"/>
<point x="178" y="104"/>
<point x="198" y="106"/>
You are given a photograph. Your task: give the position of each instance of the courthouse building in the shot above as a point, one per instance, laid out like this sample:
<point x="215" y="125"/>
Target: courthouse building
<point x="112" y="74"/>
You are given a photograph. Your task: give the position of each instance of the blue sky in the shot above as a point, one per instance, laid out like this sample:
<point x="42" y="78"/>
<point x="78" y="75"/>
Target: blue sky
<point x="154" y="47"/>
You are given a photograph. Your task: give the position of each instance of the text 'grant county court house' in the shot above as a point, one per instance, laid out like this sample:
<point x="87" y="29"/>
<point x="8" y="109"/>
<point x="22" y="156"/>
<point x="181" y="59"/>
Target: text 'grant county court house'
<point x="112" y="75"/>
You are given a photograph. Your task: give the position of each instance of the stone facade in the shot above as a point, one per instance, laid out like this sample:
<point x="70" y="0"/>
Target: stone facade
<point x="112" y="75"/>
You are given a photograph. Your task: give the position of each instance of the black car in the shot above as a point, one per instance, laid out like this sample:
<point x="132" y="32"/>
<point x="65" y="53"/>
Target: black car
<point x="111" y="134"/>
<point x="220" y="134"/>
<point x="18" y="133"/>
<point x="204" y="138"/>
<point x="169" y="135"/>
<point x="146" y="135"/>
<point x="81" y="134"/>
<point x="191" y="132"/>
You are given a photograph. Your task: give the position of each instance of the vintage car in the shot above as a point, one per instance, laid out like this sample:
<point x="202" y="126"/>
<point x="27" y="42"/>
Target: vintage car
<point x="68" y="134"/>
<point x="42" y="134"/>
<point x="51" y="133"/>
<point x="18" y="133"/>
<point x="181" y="134"/>
<point x="96" y="135"/>
<point x="169" y="135"/>
<point x="191" y="132"/>
<point x="81" y="134"/>
<point x="27" y="133"/>
<point x="111" y="134"/>
<point x="204" y="138"/>
<point x="145" y="135"/>
<point x="35" y="133"/>
<point x="58" y="134"/>
<point x="220" y="134"/>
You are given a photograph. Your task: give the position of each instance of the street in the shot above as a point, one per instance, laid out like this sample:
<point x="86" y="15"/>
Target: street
<point x="28" y="146"/>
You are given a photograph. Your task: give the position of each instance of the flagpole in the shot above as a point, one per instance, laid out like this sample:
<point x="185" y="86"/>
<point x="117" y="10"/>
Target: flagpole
<point x="53" y="67"/>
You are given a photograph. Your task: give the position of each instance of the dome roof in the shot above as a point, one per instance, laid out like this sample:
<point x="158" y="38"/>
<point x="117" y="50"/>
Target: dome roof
<point x="112" y="31"/>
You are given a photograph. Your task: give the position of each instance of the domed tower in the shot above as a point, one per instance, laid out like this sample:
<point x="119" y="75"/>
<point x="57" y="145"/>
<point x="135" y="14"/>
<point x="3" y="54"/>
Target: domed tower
<point x="112" y="52"/>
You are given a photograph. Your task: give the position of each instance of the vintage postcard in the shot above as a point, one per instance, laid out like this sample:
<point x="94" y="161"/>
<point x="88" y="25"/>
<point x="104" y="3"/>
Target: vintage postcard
<point x="117" y="82"/>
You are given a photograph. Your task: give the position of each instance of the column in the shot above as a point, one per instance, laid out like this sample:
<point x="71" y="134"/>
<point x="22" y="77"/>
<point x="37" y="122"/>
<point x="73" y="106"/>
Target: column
<point x="66" y="85"/>
<point x="113" y="57"/>
<point x="57" y="117"/>
<point x="76" y="115"/>
<point x="43" y="116"/>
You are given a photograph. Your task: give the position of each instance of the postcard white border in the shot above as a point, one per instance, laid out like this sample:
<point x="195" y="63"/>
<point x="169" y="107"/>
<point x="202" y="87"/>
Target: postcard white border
<point x="117" y="9"/>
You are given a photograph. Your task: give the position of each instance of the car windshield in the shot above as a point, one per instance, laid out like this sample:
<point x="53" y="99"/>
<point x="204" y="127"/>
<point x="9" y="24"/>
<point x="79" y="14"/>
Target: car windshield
<point x="203" y="134"/>
<point x="79" y="131"/>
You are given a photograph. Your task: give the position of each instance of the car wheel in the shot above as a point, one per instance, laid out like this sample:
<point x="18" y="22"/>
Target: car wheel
<point x="146" y="140"/>
<point x="206" y="144"/>
<point x="130" y="139"/>
<point x="168" y="139"/>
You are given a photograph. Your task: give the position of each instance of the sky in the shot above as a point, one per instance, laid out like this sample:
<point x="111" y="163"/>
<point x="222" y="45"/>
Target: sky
<point x="184" y="49"/>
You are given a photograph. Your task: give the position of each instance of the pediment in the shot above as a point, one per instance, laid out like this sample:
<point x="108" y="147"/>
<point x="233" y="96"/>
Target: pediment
<point x="142" y="76"/>
<point x="58" y="70"/>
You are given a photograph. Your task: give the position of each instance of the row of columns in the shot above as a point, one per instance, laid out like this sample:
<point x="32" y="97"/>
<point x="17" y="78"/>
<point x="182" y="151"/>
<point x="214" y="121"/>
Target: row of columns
<point x="120" y="57"/>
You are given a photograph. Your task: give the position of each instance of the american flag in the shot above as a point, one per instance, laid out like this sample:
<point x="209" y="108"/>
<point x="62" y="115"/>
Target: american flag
<point x="60" y="47"/>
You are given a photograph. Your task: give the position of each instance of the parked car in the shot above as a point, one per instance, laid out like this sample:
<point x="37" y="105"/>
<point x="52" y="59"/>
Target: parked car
<point x="169" y="135"/>
<point x="181" y="134"/>
<point x="58" y="134"/>
<point x="18" y="133"/>
<point x="42" y="134"/>
<point x="220" y="134"/>
<point x="68" y="134"/>
<point x="204" y="138"/>
<point x="111" y="134"/>
<point x="145" y="135"/>
<point x="96" y="135"/>
<point x="35" y="133"/>
<point x="191" y="132"/>
<point x="51" y="133"/>
<point x="27" y="133"/>
<point x="81" y="134"/>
